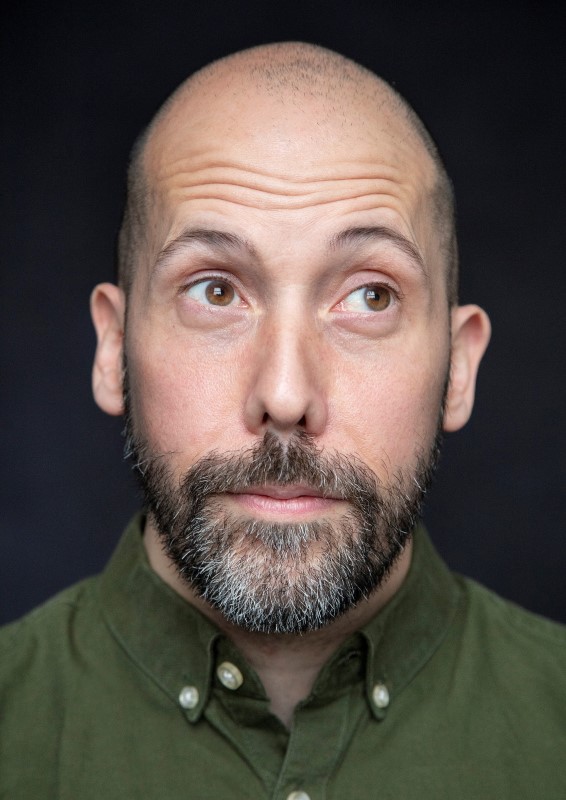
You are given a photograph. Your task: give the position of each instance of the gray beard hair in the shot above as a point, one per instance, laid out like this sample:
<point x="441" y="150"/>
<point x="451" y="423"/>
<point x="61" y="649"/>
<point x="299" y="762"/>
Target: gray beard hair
<point x="273" y="577"/>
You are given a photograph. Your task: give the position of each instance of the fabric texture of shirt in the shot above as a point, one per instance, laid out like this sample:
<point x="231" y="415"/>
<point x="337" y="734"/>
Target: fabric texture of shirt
<point x="118" y="688"/>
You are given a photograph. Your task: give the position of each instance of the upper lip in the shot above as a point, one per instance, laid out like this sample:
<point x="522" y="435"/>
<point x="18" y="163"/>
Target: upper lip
<point x="283" y="492"/>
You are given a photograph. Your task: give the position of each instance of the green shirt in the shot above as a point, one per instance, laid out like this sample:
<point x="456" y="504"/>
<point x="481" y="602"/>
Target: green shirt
<point x="118" y="689"/>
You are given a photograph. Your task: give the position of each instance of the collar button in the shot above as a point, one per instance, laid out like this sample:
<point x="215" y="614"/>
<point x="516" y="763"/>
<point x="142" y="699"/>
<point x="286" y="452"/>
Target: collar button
<point x="188" y="697"/>
<point x="230" y="676"/>
<point x="380" y="695"/>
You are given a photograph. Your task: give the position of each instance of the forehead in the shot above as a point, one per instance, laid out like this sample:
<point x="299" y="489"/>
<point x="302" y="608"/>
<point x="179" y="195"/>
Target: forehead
<point x="232" y="144"/>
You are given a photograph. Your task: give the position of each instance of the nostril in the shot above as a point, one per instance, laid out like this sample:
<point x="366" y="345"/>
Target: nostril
<point x="302" y="423"/>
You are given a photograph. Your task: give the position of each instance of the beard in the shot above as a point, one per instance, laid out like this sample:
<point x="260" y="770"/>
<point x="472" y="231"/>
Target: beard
<point x="279" y="577"/>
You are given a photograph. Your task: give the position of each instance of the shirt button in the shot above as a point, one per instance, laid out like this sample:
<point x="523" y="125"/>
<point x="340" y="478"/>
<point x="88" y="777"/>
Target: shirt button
<point x="188" y="697"/>
<point x="229" y="675"/>
<point x="380" y="695"/>
<point x="298" y="796"/>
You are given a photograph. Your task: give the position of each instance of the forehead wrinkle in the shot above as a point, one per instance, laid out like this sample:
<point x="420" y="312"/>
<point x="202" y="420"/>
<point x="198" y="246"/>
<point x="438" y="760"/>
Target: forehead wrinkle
<point x="204" y="174"/>
<point x="258" y="200"/>
<point x="280" y="163"/>
<point x="282" y="194"/>
<point x="257" y="179"/>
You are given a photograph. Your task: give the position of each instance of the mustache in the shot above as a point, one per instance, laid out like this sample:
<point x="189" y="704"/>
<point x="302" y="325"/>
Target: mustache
<point x="271" y="462"/>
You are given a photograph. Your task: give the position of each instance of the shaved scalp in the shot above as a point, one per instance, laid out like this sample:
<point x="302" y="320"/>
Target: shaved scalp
<point x="304" y="71"/>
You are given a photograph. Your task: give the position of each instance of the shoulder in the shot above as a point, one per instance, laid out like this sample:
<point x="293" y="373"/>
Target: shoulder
<point x="44" y="636"/>
<point x="60" y="605"/>
<point x="519" y="653"/>
<point x="493" y="613"/>
<point x="42" y="658"/>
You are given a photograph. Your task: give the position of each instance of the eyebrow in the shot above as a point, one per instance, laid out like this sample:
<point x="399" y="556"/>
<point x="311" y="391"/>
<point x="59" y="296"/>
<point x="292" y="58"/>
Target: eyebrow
<point x="355" y="237"/>
<point x="231" y="243"/>
<point x="228" y="243"/>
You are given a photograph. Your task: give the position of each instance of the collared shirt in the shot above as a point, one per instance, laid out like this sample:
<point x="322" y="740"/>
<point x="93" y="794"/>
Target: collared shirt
<point x="119" y="689"/>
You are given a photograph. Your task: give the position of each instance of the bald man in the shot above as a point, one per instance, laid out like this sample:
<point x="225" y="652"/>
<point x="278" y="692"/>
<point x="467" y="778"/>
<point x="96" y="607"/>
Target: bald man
<point x="286" y="345"/>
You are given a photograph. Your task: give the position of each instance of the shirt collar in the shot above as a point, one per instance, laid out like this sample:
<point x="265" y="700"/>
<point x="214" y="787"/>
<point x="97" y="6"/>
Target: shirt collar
<point x="177" y="647"/>
<point x="162" y="633"/>
<point x="406" y="633"/>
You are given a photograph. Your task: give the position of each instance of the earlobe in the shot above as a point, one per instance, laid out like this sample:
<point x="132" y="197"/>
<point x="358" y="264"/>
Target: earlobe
<point x="471" y="331"/>
<point x="107" y="308"/>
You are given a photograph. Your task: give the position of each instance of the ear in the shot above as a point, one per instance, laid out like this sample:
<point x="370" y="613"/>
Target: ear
<point x="107" y="308"/>
<point x="470" y="335"/>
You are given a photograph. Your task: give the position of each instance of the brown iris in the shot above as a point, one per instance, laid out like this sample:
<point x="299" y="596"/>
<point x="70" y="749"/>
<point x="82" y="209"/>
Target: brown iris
<point x="219" y="293"/>
<point x="377" y="298"/>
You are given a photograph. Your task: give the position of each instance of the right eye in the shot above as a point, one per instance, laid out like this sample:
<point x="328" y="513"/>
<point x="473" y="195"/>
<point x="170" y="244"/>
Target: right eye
<point x="213" y="292"/>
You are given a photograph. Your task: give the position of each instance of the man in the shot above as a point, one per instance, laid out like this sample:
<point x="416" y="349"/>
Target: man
<point x="286" y="345"/>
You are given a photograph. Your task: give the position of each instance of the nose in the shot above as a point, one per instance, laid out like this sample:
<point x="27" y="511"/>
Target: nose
<point x="287" y="386"/>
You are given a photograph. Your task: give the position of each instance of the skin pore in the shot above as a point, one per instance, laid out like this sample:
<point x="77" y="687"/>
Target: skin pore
<point x="292" y="279"/>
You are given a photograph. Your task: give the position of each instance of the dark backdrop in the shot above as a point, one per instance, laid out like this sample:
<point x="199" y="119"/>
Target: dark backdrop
<point x="79" y="80"/>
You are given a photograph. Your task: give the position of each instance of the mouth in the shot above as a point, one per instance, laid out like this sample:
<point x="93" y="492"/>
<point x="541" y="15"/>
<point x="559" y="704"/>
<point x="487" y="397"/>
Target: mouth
<point x="273" y="501"/>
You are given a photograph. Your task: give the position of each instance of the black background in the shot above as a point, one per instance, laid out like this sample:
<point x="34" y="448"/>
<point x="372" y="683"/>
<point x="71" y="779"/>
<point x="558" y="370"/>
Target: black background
<point x="80" y="80"/>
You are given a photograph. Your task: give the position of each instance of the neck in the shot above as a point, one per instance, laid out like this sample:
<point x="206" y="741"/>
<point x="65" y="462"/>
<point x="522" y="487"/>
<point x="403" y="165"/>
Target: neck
<point x="287" y="664"/>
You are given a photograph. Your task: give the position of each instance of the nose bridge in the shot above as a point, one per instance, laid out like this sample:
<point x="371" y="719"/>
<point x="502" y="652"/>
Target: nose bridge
<point x="287" y="387"/>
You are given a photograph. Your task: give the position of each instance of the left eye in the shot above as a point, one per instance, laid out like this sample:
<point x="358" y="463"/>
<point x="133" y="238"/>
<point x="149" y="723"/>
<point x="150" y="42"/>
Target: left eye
<point x="213" y="292"/>
<point x="368" y="298"/>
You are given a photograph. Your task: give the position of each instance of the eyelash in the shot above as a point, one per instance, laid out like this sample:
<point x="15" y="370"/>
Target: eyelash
<point x="395" y="294"/>
<point x="183" y="288"/>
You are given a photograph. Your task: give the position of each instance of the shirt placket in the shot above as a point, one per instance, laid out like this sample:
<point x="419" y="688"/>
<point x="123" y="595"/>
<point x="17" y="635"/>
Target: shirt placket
<point x="319" y="738"/>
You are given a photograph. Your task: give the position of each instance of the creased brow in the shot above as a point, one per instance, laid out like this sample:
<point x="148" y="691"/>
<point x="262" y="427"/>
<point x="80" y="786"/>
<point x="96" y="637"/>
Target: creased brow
<point x="356" y="237"/>
<point x="219" y="241"/>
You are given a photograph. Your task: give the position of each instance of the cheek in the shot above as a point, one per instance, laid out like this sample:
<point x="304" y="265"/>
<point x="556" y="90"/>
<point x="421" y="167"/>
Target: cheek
<point x="183" y="397"/>
<point x="394" y="411"/>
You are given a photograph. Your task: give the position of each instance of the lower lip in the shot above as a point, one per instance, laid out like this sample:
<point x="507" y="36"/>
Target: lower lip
<point x="301" y="506"/>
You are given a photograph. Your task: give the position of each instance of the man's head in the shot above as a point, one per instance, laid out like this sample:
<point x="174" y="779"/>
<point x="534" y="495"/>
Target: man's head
<point x="288" y="260"/>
